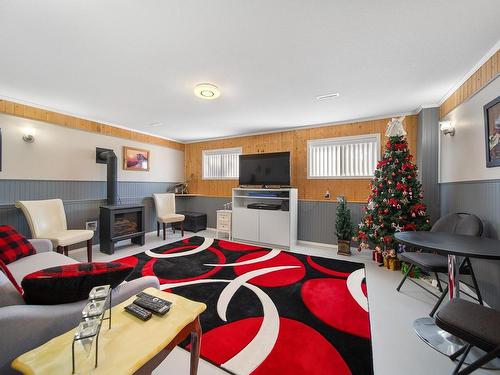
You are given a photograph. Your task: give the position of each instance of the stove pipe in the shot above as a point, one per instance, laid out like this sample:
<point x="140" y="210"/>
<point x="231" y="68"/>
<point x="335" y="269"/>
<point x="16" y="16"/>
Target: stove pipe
<point x="109" y="157"/>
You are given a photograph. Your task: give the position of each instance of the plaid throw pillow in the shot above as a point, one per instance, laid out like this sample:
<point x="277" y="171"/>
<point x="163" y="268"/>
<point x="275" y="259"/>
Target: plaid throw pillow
<point x="13" y="245"/>
<point x="72" y="282"/>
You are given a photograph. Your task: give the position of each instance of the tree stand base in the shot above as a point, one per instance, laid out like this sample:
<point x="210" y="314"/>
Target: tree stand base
<point x="344" y="247"/>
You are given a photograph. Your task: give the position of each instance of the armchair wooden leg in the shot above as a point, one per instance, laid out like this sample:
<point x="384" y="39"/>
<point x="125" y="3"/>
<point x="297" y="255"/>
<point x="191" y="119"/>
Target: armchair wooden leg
<point x="195" y="347"/>
<point x="89" y="250"/>
<point x="182" y="228"/>
<point x="173" y="227"/>
<point x="164" y="231"/>
<point x="157" y="229"/>
<point x="66" y="250"/>
<point x="59" y="249"/>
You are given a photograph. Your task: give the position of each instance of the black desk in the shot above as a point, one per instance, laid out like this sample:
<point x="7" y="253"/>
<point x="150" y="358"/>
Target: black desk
<point x="455" y="244"/>
<point x="452" y="245"/>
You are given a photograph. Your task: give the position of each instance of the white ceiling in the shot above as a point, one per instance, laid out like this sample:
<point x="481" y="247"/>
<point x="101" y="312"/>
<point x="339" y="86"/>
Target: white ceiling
<point x="135" y="62"/>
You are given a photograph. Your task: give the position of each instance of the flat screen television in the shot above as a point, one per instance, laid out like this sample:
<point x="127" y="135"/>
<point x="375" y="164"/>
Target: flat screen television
<point x="265" y="169"/>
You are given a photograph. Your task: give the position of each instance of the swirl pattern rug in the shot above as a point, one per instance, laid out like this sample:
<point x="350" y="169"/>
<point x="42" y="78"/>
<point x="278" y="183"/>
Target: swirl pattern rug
<point x="269" y="311"/>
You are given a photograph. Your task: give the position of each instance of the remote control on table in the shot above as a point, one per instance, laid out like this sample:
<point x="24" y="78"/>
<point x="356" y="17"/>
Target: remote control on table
<point x="149" y="297"/>
<point x="138" y="311"/>
<point x="156" y="307"/>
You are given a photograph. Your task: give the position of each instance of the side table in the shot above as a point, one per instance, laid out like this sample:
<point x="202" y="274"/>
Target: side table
<point x="224" y="222"/>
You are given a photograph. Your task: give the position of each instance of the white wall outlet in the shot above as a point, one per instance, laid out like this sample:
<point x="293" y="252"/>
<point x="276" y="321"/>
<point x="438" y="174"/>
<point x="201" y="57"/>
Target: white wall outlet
<point x="91" y="225"/>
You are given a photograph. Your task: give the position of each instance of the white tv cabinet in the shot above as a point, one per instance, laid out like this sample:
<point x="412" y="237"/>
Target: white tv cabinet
<point x="274" y="228"/>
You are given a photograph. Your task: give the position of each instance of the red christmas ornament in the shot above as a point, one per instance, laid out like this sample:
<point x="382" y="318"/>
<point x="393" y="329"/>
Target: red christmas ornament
<point x="393" y="202"/>
<point x="409" y="226"/>
<point x="400" y="186"/>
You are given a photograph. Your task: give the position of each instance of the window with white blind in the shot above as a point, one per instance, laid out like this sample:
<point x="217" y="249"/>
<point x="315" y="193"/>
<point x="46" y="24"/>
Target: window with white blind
<point x="344" y="157"/>
<point x="221" y="164"/>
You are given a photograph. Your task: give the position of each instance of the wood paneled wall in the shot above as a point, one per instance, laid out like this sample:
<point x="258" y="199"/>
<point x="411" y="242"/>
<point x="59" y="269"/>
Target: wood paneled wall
<point x="295" y="141"/>
<point x="481" y="77"/>
<point x="33" y="113"/>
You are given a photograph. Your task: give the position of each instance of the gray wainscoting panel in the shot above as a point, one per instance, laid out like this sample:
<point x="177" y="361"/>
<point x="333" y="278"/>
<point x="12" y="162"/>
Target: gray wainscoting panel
<point x="427" y="159"/>
<point x="82" y="199"/>
<point x="11" y="216"/>
<point x="14" y="190"/>
<point x="481" y="198"/>
<point x="317" y="220"/>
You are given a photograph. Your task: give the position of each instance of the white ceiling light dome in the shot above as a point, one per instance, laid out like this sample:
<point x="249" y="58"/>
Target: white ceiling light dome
<point x="206" y="91"/>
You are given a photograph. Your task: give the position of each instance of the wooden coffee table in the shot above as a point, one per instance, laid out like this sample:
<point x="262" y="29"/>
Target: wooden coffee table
<point x="130" y="347"/>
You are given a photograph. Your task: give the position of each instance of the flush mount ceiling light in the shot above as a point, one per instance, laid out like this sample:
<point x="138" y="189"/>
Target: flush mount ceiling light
<point x="328" y="96"/>
<point x="206" y="91"/>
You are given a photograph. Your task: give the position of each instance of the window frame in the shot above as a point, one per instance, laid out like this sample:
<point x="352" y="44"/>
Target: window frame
<point x="218" y="151"/>
<point x="340" y="140"/>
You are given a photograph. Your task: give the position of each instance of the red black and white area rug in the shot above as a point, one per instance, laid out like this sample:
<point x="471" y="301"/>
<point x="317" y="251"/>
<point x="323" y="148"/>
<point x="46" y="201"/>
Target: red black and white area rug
<point x="269" y="311"/>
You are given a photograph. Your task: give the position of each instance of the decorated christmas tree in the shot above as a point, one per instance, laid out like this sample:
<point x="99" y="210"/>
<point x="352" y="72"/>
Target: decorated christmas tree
<point x="395" y="202"/>
<point x="343" y="227"/>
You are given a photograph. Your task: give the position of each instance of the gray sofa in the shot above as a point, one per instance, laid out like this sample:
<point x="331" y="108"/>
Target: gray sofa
<point x="24" y="327"/>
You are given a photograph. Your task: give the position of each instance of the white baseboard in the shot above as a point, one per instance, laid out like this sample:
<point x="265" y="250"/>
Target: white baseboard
<point x="320" y="244"/>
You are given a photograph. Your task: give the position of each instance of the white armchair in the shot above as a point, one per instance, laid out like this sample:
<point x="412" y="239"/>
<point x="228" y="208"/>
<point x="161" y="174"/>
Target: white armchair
<point x="165" y="213"/>
<point x="47" y="219"/>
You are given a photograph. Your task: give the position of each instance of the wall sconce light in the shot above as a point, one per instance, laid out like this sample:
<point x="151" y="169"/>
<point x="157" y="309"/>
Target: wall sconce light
<point x="29" y="135"/>
<point x="447" y="127"/>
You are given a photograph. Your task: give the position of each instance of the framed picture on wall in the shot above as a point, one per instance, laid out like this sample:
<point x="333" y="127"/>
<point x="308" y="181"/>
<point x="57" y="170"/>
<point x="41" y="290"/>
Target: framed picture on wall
<point x="492" y="128"/>
<point x="135" y="159"/>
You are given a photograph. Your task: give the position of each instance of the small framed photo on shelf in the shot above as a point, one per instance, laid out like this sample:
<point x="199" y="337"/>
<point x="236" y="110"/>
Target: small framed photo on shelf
<point x="135" y="159"/>
<point x="492" y="129"/>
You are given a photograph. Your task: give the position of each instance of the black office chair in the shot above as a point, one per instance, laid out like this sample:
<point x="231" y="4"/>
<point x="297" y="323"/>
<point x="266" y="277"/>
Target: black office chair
<point x="477" y="325"/>
<point x="459" y="223"/>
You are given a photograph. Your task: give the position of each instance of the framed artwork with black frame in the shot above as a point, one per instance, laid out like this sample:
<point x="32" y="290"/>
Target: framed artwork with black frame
<point x="492" y="131"/>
